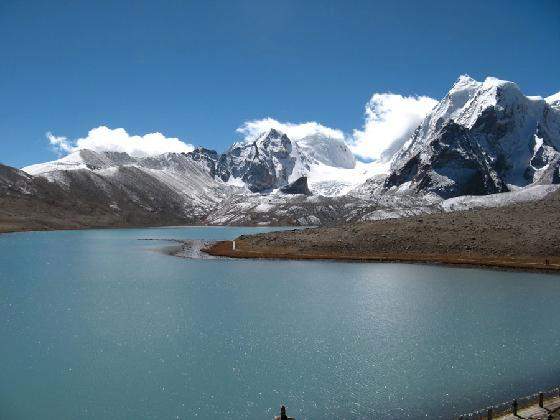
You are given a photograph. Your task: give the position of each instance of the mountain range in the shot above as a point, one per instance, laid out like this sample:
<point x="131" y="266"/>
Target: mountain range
<point x="484" y="144"/>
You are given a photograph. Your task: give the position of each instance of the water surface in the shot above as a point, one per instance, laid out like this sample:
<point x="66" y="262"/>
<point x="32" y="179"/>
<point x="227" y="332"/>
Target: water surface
<point x="96" y="324"/>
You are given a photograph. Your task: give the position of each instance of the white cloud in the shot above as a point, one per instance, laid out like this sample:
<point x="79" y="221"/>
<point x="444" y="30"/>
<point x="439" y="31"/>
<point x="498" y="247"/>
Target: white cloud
<point x="252" y="129"/>
<point x="104" y="139"/>
<point x="389" y="121"/>
<point x="61" y="145"/>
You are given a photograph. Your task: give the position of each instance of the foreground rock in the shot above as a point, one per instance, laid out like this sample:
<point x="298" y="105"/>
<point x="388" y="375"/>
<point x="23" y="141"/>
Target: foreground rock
<point x="523" y="235"/>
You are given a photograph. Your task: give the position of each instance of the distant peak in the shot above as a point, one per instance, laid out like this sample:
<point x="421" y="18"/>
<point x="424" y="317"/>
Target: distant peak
<point x="201" y="149"/>
<point x="271" y="133"/>
<point x="484" y="93"/>
<point x="463" y="87"/>
<point x="274" y="133"/>
<point x="464" y="81"/>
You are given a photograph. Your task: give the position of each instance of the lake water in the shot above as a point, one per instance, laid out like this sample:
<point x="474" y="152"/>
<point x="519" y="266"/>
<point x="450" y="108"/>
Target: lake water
<point x="97" y="324"/>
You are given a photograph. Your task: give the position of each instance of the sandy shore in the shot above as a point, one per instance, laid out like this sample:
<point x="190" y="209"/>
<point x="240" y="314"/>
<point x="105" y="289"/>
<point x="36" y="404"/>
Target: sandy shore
<point x="522" y="236"/>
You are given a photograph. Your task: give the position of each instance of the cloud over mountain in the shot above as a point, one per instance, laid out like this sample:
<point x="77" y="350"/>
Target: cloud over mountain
<point x="104" y="139"/>
<point x="252" y="129"/>
<point x="390" y="119"/>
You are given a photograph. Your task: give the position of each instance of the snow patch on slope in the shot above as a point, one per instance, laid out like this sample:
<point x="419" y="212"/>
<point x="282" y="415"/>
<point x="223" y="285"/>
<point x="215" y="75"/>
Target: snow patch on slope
<point x="468" y="202"/>
<point x="330" y="181"/>
<point x="328" y="151"/>
<point x="553" y="100"/>
<point x="71" y="162"/>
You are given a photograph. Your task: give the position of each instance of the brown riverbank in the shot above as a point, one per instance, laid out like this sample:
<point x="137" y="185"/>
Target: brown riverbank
<point x="224" y="249"/>
<point x="521" y="236"/>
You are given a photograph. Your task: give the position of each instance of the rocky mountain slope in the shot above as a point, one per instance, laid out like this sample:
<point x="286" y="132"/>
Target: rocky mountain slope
<point x="262" y="165"/>
<point x="273" y="160"/>
<point x="180" y="183"/>
<point x="34" y="203"/>
<point x="242" y="186"/>
<point x="482" y="139"/>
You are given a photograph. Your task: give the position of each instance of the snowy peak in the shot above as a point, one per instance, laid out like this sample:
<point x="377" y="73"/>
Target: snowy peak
<point x="96" y="161"/>
<point x="261" y="164"/>
<point x="71" y="162"/>
<point x="264" y="163"/>
<point x="468" y="98"/>
<point x="482" y="138"/>
<point x="82" y="159"/>
<point x="181" y="162"/>
<point x="273" y="160"/>
<point x="553" y="100"/>
<point x="272" y="137"/>
<point x="329" y="151"/>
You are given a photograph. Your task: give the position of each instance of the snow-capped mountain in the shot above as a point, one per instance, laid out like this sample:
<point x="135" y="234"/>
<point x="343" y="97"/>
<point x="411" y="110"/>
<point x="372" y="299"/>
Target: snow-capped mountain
<point x="33" y="202"/>
<point x="262" y="165"/>
<point x="273" y="160"/>
<point x="482" y="138"/>
<point x="318" y="149"/>
<point x="200" y="183"/>
<point x="186" y="181"/>
<point x="82" y="159"/>
<point x="267" y="163"/>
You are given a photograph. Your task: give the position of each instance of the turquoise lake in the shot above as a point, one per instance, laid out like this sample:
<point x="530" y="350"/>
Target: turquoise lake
<point x="100" y="325"/>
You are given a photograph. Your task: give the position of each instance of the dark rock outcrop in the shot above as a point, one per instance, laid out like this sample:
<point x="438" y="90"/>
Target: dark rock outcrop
<point x="299" y="186"/>
<point x="453" y="165"/>
<point x="208" y="156"/>
<point x="262" y="165"/>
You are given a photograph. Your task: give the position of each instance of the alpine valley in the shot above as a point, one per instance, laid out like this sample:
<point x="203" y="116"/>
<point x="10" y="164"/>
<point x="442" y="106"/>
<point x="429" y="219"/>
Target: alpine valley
<point x="485" y="144"/>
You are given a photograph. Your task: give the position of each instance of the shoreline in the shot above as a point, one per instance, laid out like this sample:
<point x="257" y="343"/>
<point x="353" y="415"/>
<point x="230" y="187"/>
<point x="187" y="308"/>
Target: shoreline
<point x="214" y="249"/>
<point x="224" y="249"/>
<point x="191" y="249"/>
<point x="17" y="229"/>
<point x="518" y="237"/>
<point x="4" y="230"/>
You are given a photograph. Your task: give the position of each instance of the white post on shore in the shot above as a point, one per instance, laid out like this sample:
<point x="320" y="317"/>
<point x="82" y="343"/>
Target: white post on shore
<point x="233" y="245"/>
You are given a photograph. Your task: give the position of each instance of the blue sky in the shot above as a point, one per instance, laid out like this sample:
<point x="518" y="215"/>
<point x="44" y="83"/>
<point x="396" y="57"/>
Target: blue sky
<point x="199" y="70"/>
